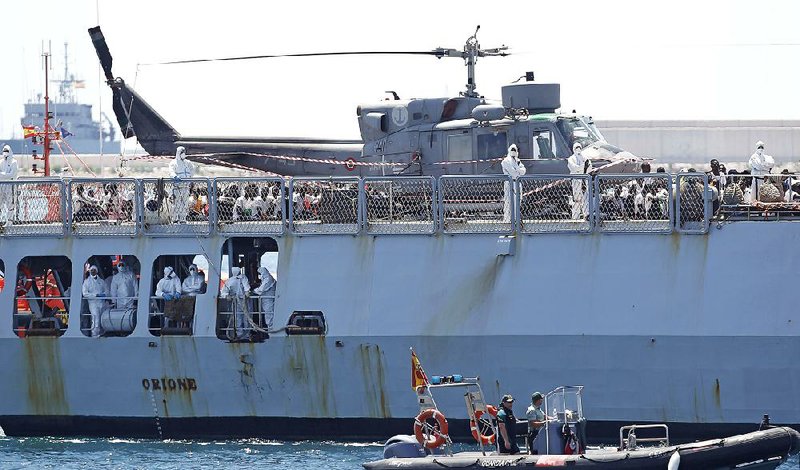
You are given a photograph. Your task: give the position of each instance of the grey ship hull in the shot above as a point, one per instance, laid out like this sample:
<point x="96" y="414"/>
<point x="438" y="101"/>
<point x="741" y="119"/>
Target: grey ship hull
<point x="697" y="331"/>
<point x="79" y="146"/>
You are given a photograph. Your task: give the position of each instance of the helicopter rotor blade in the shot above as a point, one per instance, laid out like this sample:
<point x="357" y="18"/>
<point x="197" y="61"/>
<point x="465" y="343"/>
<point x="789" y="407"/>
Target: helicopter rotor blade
<point x="308" y="54"/>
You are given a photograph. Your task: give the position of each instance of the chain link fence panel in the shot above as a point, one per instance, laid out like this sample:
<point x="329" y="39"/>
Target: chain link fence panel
<point x="634" y="203"/>
<point x="477" y="204"/>
<point x="32" y="208"/>
<point x="324" y="206"/>
<point x="694" y="197"/>
<point x="103" y="207"/>
<point x="555" y="204"/>
<point x="173" y="207"/>
<point x="400" y="205"/>
<point x="250" y="205"/>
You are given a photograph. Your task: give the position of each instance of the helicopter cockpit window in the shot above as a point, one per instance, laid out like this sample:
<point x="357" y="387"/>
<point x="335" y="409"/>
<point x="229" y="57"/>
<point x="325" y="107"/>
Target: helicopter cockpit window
<point x="544" y="145"/>
<point x="492" y="145"/>
<point x="459" y="147"/>
<point x="577" y="130"/>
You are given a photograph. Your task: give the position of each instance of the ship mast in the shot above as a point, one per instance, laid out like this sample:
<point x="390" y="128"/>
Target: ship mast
<point x="47" y="131"/>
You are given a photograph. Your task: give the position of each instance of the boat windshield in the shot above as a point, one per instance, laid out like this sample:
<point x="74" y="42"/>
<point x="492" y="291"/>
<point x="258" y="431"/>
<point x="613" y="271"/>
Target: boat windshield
<point x="579" y="129"/>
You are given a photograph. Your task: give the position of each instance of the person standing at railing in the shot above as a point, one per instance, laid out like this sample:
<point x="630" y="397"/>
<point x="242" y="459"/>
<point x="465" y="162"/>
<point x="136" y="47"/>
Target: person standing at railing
<point x="236" y="289"/>
<point x="195" y="283"/>
<point x="95" y="291"/>
<point x="180" y="169"/>
<point x="266" y="294"/>
<point x="9" y="170"/>
<point x="169" y="286"/>
<point x="578" y="164"/>
<point x="760" y="164"/>
<point x="124" y="288"/>
<point x="513" y="167"/>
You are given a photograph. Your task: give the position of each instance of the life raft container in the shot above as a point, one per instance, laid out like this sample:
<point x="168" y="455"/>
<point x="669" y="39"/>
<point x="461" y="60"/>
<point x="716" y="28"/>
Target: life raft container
<point x="485" y="439"/>
<point x="434" y="437"/>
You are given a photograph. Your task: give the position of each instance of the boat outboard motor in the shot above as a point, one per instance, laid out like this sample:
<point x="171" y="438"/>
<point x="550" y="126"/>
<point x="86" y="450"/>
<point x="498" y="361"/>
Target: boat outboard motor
<point x="403" y="446"/>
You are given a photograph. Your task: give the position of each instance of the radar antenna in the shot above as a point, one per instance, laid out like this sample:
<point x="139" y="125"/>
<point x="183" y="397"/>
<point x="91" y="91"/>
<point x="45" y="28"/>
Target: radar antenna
<point x="472" y="50"/>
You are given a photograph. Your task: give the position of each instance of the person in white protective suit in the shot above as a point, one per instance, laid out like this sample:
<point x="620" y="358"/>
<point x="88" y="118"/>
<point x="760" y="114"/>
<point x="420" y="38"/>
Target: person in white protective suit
<point x="124" y="288"/>
<point x="195" y="283"/>
<point x="266" y="293"/>
<point x="169" y="286"/>
<point x="235" y="289"/>
<point x="513" y="167"/>
<point x="8" y="172"/>
<point x="95" y="291"/>
<point x="578" y="164"/>
<point x="760" y="164"/>
<point x="180" y="169"/>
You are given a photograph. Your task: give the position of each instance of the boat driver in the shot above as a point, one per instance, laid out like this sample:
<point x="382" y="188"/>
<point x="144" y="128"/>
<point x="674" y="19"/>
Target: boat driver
<point x="507" y="423"/>
<point x="536" y="419"/>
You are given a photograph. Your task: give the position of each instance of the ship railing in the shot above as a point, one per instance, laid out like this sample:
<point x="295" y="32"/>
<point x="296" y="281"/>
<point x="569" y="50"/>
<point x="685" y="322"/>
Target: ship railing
<point x="633" y="203"/>
<point x="693" y="203"/>
<point x="103" y="207"/>
<point x="41" y="316"/>
<point x="758" y="198"/>
<point x="555" y="204"/>
<point x="32" y="208"/>
<point x="657" y="434"/>
<point x="399" y="205"/>
<point x="116" y="318"/>
<point x="477" y="204"/>
<point x="246" y="206"/>
<point x="177" y="207"/>
<point x="244" y="319"/>
<point x="171" y="317"/>
<point x="325" y="205"/>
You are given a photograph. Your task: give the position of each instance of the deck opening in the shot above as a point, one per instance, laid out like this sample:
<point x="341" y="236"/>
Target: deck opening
<point x="109" y="296"/>
<point x="177" y="281"/>
<point x="41" y="300"/>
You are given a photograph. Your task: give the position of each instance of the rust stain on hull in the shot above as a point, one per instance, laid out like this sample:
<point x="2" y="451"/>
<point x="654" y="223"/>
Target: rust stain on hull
<point x="44" y="376"/>
<point x="372" y="371"/>
<point x="307" y="370"/>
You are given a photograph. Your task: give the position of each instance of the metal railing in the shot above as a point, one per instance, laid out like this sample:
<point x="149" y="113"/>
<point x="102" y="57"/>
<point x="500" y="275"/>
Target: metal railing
<point x="250" y="206"/>
<point x="693" y="199"/>
<point x="555" y="204"/>
<point x="40" y="316"/>
<point x="103" y="207"/>
<point x="171" y="316"/>
<point x="325" y="206"/>
<point x="243" y="319"/>
<point x="477" y="204"/>
<point x="177" y="207"/>
<point x="32" y="208"/>
<point x="400" y="205"/>
<point x="633" y="203"/>
<point x="628" y="440"/>
<point x="114" y="319"/>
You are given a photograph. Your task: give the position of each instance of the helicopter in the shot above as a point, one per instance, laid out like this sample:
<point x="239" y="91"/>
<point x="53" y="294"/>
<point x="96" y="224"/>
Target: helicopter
<point x="463" y="135"/>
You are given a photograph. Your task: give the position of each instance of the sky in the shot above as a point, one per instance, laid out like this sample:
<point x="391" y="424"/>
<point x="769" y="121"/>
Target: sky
<point x="615" y="59"/>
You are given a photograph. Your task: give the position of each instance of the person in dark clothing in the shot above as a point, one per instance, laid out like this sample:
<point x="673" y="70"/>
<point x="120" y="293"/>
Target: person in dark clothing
<point x="507" y="422"/>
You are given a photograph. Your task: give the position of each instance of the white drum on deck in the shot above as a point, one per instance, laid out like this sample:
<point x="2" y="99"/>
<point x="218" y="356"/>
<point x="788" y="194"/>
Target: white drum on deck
<point x="118" y="320"/>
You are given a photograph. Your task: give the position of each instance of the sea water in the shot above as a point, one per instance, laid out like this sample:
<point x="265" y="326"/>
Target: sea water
<point x="80" y="453"/>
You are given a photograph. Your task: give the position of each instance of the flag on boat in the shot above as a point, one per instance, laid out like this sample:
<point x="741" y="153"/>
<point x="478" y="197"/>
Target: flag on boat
<point x="79" y="84"/>
<point x="65" y="133"/>
<point x="28" y="131"/>
<point x="418" y="377"/>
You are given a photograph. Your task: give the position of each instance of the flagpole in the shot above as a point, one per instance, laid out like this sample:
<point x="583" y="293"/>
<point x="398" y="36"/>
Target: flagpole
<point x="46" y="56"/>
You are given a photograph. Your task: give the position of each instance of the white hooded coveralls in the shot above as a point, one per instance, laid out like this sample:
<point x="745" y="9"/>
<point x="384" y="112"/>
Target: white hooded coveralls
<point x="577" y="166"/>
<point x="513" y="167"/>
<point x="95" y="291"/>
<point x="9" y="170"/>
<point x="169" y="284"/>
<point x="266" y="293"/>
<point x="235" y="289"/>
<point x="124" y="288"/>
<point x="760" y="164"/>
<point x="180" y="169"/>
<point x="193" y="284"/>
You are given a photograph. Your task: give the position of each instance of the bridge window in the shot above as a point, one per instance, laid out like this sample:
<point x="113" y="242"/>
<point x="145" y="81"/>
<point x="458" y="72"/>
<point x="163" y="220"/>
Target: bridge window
<point x="492" y="145"/>
<point x="109" y="295"/>
<point x="459" y="147"/>
<point x="41" y="301"/>
<point x="177" y="281"/>
<point x="246" y="304"/>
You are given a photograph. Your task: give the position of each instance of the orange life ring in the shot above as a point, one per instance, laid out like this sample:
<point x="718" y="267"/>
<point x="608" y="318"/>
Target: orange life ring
<point x="436" y="437"/>
<point x="485" y="439"/>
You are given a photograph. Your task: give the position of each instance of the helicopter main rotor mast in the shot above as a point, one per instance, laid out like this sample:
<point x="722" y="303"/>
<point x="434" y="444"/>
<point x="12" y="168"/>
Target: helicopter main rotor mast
<point x="472" y="50"/>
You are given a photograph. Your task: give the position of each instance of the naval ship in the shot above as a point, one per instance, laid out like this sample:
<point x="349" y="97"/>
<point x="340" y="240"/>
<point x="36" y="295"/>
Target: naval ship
<point x="73" y="119"/>
<point x="668" y="303"/>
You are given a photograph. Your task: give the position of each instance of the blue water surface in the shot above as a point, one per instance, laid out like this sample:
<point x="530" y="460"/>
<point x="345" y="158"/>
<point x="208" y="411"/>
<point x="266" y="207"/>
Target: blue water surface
<point x="81" y="453"/>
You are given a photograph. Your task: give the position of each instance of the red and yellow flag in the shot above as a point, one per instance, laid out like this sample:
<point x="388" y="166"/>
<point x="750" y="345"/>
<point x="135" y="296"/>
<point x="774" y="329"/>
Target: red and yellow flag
<point x="28" y="131"/>
<point x="418" y="377"/>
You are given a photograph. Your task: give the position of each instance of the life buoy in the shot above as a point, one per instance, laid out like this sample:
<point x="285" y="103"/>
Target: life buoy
<point x="485" y="439"/>
<point x="350" y="164"/>
<point x="435" y="437"/>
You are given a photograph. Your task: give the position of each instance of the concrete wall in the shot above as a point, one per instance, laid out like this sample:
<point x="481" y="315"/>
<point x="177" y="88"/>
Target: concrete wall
<point x="697" y="142"/>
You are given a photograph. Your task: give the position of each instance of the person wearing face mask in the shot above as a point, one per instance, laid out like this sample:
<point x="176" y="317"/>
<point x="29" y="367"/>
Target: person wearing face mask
<point x="169" y="286"/>
<point x="8" y="172"/>
<point x="266" y="293"/>
<point x="235" y="289"/>
<point x="579" y="165"/>
<point x="95" y="291"/>
<point x="512" y="166"/>
<point x="760" y="164"/>
<point x="195" y="283"/>
<point x="180" y="169"/>
<point x="124" y="287"/>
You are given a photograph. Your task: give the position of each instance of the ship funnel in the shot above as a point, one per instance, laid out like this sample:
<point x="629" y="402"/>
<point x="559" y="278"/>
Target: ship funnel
<point x="103" y="53"/>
